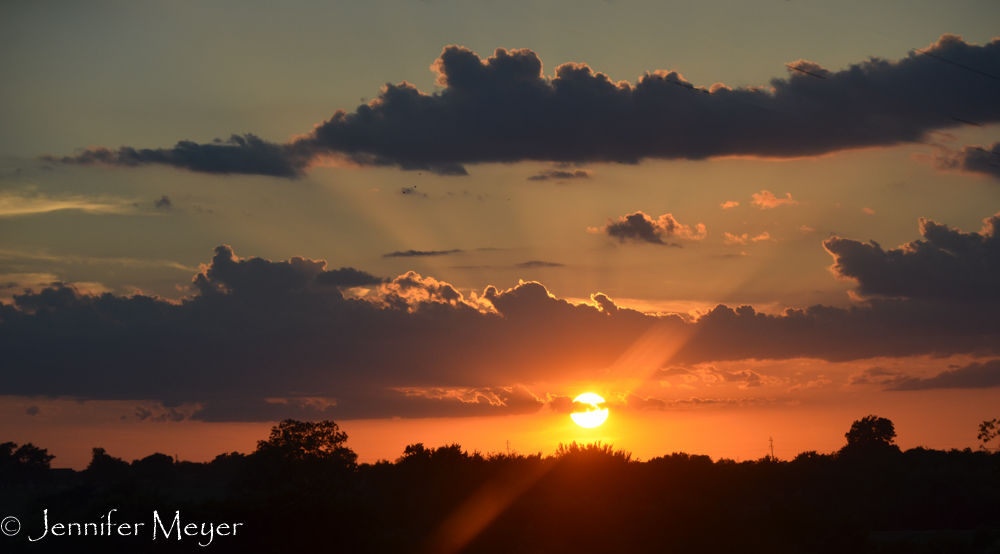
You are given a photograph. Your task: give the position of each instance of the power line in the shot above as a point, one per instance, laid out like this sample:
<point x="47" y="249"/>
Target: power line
<point x="804" y="71"/>
<point x="967" y="68"/>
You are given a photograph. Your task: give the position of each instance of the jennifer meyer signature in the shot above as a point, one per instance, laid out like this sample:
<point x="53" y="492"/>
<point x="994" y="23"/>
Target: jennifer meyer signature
<point x="163" y="527"/>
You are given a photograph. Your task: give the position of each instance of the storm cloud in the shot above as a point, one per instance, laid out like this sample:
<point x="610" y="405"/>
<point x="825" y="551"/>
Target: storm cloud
<point x="505" y="109"/>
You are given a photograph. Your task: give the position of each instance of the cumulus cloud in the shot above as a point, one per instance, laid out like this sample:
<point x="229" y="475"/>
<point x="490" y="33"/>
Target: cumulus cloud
<point x="948" y="265"/>
<point x="505" y="109"/>
<point x="261" y="340"/>
<point x="347" y="277"/>
<point x="639" y="227"/>
<point x="766" y="199"/>
<point x="729" y="204"/>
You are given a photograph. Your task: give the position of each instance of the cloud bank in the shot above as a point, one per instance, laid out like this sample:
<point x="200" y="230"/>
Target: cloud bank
<point x="263" y="340"/>
<point x="505" y="109"/>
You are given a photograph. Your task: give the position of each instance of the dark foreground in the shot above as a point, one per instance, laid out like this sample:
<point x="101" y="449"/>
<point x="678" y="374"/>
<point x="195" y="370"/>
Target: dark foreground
<point x="302" y="491"/>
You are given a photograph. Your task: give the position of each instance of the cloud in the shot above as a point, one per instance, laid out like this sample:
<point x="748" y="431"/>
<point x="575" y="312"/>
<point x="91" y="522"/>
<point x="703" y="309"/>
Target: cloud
<point x="163" y="203"/>
<point x="970" y="159"/>
<point x="947" y="265"/>
<point x="347" y="277"/>
<point x="873" y="376"/>
<point x="976" y="375"/>
<point x="639" y="227"/>
<point x="69" y="259"/>
<point x="30" y="203"/>
<point x="729" y="204"/>
<point x="561" y="175"/>
<point x="635" y="402"/>
<point x="537" y="263"/>
<point x="766" y="199"/>
<point x="742" y="239"/>
<point x="247" y="154"/>
<point x="868" y="211"/>
<point x="260" y="340"/>
<point x="505" y="109"/>
<point x="419" y="253"/>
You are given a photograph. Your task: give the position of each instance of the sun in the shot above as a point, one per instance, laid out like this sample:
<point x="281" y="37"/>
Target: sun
<point x="594" y="415"/>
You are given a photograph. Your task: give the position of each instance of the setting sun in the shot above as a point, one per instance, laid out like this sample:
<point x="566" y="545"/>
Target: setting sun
<point x="594" y="416"/>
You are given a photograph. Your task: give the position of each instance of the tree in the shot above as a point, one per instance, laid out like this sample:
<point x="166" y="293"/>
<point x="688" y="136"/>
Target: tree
<point x="300" y="453"/>
<point x="105" y="467"/>
<point x="870" y="435"/>
<point x="24" y="462"/>
<point x="301" y="441"/>
<point x="988" y="431"/>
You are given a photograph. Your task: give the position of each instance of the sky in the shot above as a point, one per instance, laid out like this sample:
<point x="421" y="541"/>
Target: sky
<point x="439" y="222"/>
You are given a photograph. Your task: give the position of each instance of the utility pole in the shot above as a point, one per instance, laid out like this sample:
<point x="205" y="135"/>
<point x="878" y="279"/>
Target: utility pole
<point x="771" y="440"/>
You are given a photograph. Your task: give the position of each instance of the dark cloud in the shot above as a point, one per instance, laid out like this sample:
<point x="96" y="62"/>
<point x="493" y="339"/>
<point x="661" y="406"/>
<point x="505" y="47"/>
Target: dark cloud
<point x="537" y="263"/>
<point x="970" y="159"/>
<point x="245" y="154"/>
<point x="33" y="410"/>
<point x="504" y="109"/>
<point x="561" y="174"/>
<point x="263" y="340"/>
<point x="419" y="253"/>
<point x="347" y="277"/>
<point x="163" y="203"/>
<point x="947" y="265"/>
<point x="639" y="227"/>
<point x="973" y="376"/>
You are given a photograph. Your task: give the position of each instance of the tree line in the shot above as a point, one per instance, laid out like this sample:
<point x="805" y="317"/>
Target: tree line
<point x="303" y="487"/>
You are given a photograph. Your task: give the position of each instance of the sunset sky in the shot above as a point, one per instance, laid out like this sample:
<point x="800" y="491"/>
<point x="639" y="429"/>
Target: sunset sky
<point x="439" y="221"/>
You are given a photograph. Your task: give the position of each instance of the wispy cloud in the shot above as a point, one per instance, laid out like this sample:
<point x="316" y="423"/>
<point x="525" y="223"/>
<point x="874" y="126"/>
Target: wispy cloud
<point x="419" y="253"/>
<point x="14" y="204"/>
<point x="7" y="254"/>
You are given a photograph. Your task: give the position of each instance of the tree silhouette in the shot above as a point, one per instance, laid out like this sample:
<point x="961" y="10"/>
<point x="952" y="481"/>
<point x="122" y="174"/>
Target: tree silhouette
<point x="987" y="432"/>
<point x="24" y="462"/>
<point x="105" y="467"/>
<point x="870" y="435"/>
<point x="300" y="454"/>
<point x="302" y="441"/>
